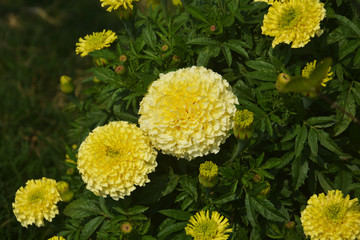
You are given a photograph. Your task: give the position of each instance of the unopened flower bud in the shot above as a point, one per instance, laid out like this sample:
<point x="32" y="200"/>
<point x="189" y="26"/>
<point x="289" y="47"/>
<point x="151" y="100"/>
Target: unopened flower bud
<point x="126" y="228"/>
<point x="208" y="176"/>
<point x="74" y="146"/>
<point x="266" y="190"/>
<point x="257" y="178"/>
<point x="66" y="84"/>
<point x="67" y="196"/>
<point x="100" y="61"/>
<point x="176" y="59"/>
<point x="96" y="80"/>
<point x="123" y="58"/>
<point x="243" y="127"/>
<point x="281" y="82"/>
<point x="68" y="160"/>
<point x="120" y="69"/>
<point x="290" y="225"/>
<point x="212" y="28"/>
<point x="65" y="192"/>
<point x="70" y="171"/>
<point x="164" y="48"/>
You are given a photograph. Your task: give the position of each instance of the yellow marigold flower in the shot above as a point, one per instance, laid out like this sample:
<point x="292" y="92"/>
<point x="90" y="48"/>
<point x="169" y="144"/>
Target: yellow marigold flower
<point x="309" y="68"/>
<point x="95" y="41"/>
<point x="243" y="128"/>
<point x="115" y="4"/>
<point x="114" y="158"/>
<point x="189" y="112"/>
<point x="331" y="217"/>
<point x="270" y="2"/>
<point x="293" y="21"/>
<point x="204" y="227"/>
<point x="57" y="238"/>
<point x="36" y="201"/>
<point x="208" y="176"/>
<point x="177" y="2"/>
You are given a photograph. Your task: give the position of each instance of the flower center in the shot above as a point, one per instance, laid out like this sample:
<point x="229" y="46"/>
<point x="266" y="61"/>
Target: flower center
<point x="244" y="118"/>
<point x="335" y="212"/>
<point x="36" y="196"/>
<point x="288" y="18"/>
<point x="113" y="153"/>
<point x="207" y="229"/>
<point x="208" y="169"/>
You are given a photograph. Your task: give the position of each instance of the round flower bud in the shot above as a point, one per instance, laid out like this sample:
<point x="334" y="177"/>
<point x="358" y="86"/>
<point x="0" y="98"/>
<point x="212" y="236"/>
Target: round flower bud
<point x="257" y="178"/>
<point x="208" y="176"/>
<point x="62" y="187"/>
<point x="70" y="171"/>
<point x="266" y="190"/>
<point x="123" y="58"/>
<point x="126" y="228"/>
<point x="67" y="196"/>
<point x="243" y="127"/>
<point x="212" y="28"/>
<point x="120" y="69"/>
<point x="164" y="48"/>
<point x="290" y="225"/>
<point x="100" y="61"/>
<point x="66" y="84"/>
<point x="176" y="59"/>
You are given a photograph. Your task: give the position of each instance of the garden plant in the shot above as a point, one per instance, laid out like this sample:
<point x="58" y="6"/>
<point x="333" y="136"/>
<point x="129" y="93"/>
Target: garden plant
<point x="210" y="119"/>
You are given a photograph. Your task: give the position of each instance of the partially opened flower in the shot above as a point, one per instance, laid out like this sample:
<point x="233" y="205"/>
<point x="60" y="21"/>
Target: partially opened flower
<point x="331" y="217"/>
<point x="202" y="226"/>
<point x="208" y="176"/>
<point x="116" y="158"/>
<point x="293" y="21"/>
<point x="243" y="128"/>
<point x="36" y="202"/>
<point x="115" y="4"/>
<point x="95" y="41"/>
<point x="189" y="112"/>
<point x="309" y="68"/>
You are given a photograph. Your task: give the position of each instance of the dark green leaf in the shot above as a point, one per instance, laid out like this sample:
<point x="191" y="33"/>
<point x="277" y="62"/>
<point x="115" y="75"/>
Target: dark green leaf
<point x="227" y="54"/>
<point x="300" y="140"/>
<point x="136" y="210"/>
<point x="259" y="159"/>
<point x="322" y="121"/>
<point x="264" y="76"/>
<point x="324" y="182"/>
<point x="203" y="41"/>
<point x="348" y="48"/>
<point x="103" y="53"/>
<point x="104" y="74"/>
<point x="267" y="209"/>
<point x="171" y="229"/>
<point x="291" y="134"/>
<point x="271" y="163"/>
<point x="342" y="180"/>
<point x="195" y="12"/>
<point x="347" y="102"/>
<point x="299" y="171"/>
<point x="91" y="227"/>
<point x="224" y="199"/>
<point x="176" y="214"/>
<point x="149" y="36"/>
<point x="250" y="212"/>
<point x="82" y="208"/>
<point x="261" y="66"/>
<point x="237" y="46"/>
<point x="313" y="141"/>
<point x="348" y="23"/>
<point x="328" y="143"/>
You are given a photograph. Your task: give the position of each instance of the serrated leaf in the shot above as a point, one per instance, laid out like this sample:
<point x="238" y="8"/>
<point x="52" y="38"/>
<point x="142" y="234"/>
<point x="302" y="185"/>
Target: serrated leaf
<point x="348" y="48"/>
<point x="225" y="199"/>
<point x="252" y="107"/>
<point x="347" y="23"/>
<point x="250" y="211"/>
<point x="176" y="214"/>
<point x="324" y="182"/>
<point x="104" y="74"/>
<point x="313" y="141"/>
<point x="189" y="185"/>
<point x="227" y="55"/>
<point x="300" y="140"/>
<point x="261" y="66"/>
<point x="267" y="209"/>
<point x="103" y="53"/>
<point x="328" y="143"/>
<point x="206" y="54"/>
<point x="149" y="36"/>
<point x="263" y="76"/>
<point x="171" y="229"/>
<point x="322" y="121"/>
<point x="271" y="163"/>
<point x="342" y="120"/>
<point x="203" y="41"/>
<point x="236" y="45"/>
<point x="195" y="12"/>
<point x="299" y="171"/>
<point x="342" y="180"/>
<point x="82" y="208"/>
<point x="90" y="227"/>
<point x="104" y="208"/>
<point x="136" y="210"/>
<point x="291" y="134"/>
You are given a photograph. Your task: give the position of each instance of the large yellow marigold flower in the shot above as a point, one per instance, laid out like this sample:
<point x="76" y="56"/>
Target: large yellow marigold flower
<point x="95" y="41"/>
<point x="293" y="21"/>
<point x="114" y="158"/>
<point x="115" y="4"/>
<point x="331" y="217"/>
<point x="204" y="227"/>
<point x="309" y="68"/>
<point x="36" y="201"/>
<point x="189" y="112"/>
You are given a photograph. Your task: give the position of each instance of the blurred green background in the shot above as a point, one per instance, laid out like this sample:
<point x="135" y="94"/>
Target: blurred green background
<point x="37" y="46"/>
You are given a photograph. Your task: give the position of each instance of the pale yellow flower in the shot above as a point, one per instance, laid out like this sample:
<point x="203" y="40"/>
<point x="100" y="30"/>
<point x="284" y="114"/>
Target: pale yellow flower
<point x="309" y="68"/>
<point x="95" y="41"/>
<point x="331" y="217"/>
<point x="177" y="2"/>
<point x="115" y="4"/>
<point x="293" y="21"/>
<point x="203" y="227"/>
<point x="114" y="158"/>
<point x="188" y="113"/>
<point x="57" y="238"/>
<point x="36" y="202"/>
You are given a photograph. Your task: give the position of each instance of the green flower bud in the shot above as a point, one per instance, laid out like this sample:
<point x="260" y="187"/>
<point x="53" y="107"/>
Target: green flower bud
<point x="126" y="228"/>
<point x="120" y="69"/>
<point x="123" y="58"/>
<point x="66" y="84"/>
<point x="290" y="225"/>
<point x="70" y="171"/>
<point x="67" y="196"/>
<point x="212" y="28"/>
<point x="96" y="80"/>
<point x="243" y="127"/>
<point x="208" y="176"/>
<point x="257" y="178"/>
<point x="65" y="192"/>
<point x="100" y="61"/>
<point x="164" y="48"/>
<point x="265" y="191"/>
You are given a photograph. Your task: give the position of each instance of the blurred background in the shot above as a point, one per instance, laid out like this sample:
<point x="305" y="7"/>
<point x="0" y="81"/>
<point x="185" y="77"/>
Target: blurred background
<point x="37" y="46"/>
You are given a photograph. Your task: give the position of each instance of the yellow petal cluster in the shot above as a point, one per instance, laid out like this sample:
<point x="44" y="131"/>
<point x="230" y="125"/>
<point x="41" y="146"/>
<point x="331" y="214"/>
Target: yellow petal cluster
<point x="115" y="4"/>
<point x="36" y="202"/>
<point x="331" y="217"/>
<point x="188" y="113"/>
<point x="208" y="169"/>
<point x="309" y="68"/>
<point x="293" y="21"/>
<point x="57" y="238"/>
<point x="205" y="227"/>
<point x="95" y="41"/>
<point x="114" y="158"/>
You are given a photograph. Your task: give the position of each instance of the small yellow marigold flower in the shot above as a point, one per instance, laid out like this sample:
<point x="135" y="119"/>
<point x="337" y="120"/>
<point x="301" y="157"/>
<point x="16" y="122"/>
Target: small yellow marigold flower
<point x="95" y="41"/>
<point x="36" y="201"/>
<point x="208" y="176"/>
<point x="115" y="4"/>
<point x="188" y="113"/>
<point x="309" y="68"/>
<point x="66" y="84"/>
<point x="331" y="217"/>
<point x="114" y="158"/>
<point x="293" y="21"/>
<point x="57" y="238"/>
<point x="243" y="128"/>
<point x="204" y="227"/>
<point x="177" y="2"/>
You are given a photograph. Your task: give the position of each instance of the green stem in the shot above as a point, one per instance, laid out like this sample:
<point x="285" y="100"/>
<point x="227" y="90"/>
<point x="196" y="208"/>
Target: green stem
<point x="239" y="147"/>
<point x="129" y="28"/>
